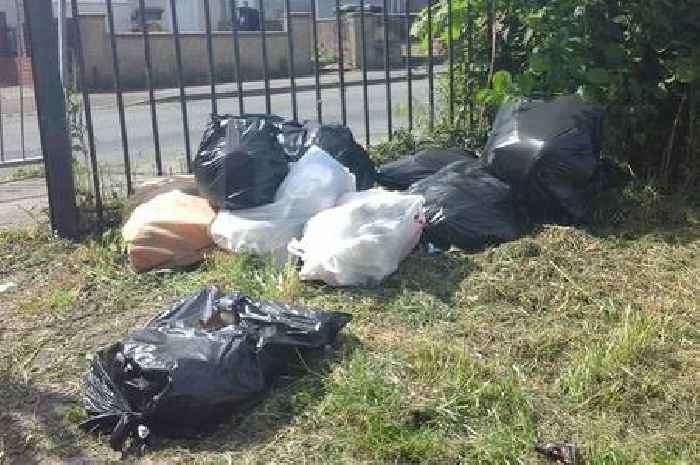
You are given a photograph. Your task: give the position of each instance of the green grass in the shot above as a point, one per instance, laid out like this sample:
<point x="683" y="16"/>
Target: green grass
<point x="587" y="335"/>
<point x="25" y="172"/>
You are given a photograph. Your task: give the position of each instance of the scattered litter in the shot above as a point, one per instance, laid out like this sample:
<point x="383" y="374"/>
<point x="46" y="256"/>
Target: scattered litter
<point x="170" y="230"/>
<point x="362" y="240"/>
<point x="339" y="142"/>
<point x="562" y="454"/>
<point x="240" y="162"/>
<point x="549" y="152"/>
<point x="8" y="287"/>
<point x="400" y="174"/>
<point x="313" y="184"/>
<point x="467" y="207"/>
<point x="196" y="362"/>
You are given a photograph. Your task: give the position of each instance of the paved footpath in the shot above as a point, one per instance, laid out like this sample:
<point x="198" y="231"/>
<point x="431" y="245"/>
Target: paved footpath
<point x="23" y="202"/>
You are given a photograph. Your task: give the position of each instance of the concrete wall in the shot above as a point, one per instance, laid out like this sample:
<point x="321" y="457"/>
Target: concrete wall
<point x="120" y="8"/>
<point x="326" y="8"/>
<point x="8" y="6"/>
<point x="374" y="39"/>
<point x="99" y="72"/>
<point x="327" y="36"/>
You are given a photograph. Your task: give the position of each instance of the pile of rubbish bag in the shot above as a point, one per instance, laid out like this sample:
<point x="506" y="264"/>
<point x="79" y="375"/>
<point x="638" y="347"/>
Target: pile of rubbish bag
<point x="306" y="192"/>
<point x="264" y="181"/>
<point x="195" y="363"/>
<point x="541" y="163"/>
<point x="286" y="189"/>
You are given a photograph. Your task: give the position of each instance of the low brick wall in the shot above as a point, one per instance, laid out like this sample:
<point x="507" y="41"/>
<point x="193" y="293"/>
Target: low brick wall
<point x="8" y="71"/>
<point x="374" y="39"/>
<point x="98" y="59"/>
<point x="14" y="70"/>
<point x="24" y="71"/>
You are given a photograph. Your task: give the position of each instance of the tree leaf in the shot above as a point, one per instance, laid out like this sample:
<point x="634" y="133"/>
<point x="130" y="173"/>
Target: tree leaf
<point x="685" y="70"/>
<point x="615" y="54"/>
<point x="526" y="83"/>
<point x="502" y="81"/>
<point x="484" y="95"/>
<point x="538" y="63"/>
<point x="597" y="76"/>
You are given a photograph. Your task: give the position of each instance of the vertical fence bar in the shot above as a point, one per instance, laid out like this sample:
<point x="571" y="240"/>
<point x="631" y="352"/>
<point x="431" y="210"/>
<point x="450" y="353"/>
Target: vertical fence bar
<point x="431" y="83"/>
<point x="51" y="112"/>
<point x="450" y="46"/>
<point x="409" y="77"/>
<point x="470" y="58"/>
<point x="266" y="69"/>
<point x="490" y="30"/>
<point x="290" y="61"/>
<point x="317" y="69"/>
<point x="2" y="135"/>
<point x="210" y="56"/>
<point x="88" y="109"/>
<point x="21" y="49"/>
<point x="387" y="67"/>
<point x="236" y="56"/>
<point x="61" y="36"/>
<point x="181" y="85"/>
<point x="149" y="84"/>
<point x="341" y="64"/>
<point x="21" y="110"/>
<point x="120" y="98"/>
<point x="365" y="97"/>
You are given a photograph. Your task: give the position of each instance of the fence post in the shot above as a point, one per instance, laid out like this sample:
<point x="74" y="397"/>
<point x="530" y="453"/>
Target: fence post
<point x="51" y="111"/>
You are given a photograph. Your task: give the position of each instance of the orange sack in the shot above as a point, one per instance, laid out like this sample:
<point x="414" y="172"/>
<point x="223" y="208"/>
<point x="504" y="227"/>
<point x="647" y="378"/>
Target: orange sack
<point x="170" y="230"/>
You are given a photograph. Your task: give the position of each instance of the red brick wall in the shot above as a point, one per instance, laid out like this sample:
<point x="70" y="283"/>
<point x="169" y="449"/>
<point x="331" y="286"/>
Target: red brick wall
<point x="24" y="71"/>
<point x="14" y="70"/>
<point x="8" y="71"/>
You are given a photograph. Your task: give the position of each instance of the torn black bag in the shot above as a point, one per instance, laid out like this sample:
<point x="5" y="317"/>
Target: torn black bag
<point x="195" y="362"/>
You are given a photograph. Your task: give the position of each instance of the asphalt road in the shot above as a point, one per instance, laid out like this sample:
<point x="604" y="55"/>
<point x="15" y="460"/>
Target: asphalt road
<point x="140" y="138"/>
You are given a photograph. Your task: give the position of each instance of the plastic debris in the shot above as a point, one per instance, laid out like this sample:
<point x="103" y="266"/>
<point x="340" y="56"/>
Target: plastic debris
<point x="195" y="363"/>
<point x="562" y="454"/>
<point x="8" y="287"/>
<point x="362" y="240"/>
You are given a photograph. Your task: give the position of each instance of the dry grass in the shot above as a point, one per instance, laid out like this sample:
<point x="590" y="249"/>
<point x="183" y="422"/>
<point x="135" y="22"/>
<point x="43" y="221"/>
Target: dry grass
<point x="585" y="335"/>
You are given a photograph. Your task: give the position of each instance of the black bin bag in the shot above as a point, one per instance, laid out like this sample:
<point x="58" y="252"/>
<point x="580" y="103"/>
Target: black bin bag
<point x="340" y="144"/>
<point x="467" y="207"/>
<point x="400" y="174"/>
<point x="549" y="151"/>
<point x="195" y="362"/>
<point x="240" y="162"/>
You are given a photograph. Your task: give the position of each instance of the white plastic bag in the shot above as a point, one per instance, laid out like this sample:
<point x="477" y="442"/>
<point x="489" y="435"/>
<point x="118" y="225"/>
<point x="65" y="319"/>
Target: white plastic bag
<point x="313" y="184"/>
<point x="362" y="240"/>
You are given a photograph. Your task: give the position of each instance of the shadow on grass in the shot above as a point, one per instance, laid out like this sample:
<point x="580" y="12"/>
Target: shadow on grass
<point x="641" y="211"/>
<point x="295" y="392"/>
<point x="30" y="414"/>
